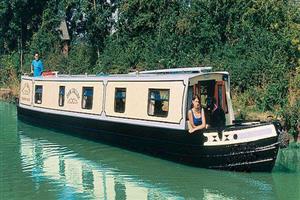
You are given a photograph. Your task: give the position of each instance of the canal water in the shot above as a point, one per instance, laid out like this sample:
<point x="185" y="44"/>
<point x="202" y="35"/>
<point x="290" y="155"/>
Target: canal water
<point x="37" y="163"/>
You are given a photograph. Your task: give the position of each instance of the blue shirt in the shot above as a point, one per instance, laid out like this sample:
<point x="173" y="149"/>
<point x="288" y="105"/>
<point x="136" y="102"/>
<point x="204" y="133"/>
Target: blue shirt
<point x="38" y="67"/>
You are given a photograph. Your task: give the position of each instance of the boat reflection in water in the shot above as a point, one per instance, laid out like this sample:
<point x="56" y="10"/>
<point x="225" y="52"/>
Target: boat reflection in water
<point x="76" y="174"/>
<point x="86" y="169"/>
<point x="60" y="165"/>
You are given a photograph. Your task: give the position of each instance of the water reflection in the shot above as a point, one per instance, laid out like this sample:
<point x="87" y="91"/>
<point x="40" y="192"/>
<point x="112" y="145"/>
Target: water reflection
<point x="289" y="159"/>
<point x="82" y="169"/>
<point x="80" y="176"/>
<point x="77" y="175"/>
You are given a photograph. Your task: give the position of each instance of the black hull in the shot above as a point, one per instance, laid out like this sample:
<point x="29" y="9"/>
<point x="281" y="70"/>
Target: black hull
<point x="175" y="145"/>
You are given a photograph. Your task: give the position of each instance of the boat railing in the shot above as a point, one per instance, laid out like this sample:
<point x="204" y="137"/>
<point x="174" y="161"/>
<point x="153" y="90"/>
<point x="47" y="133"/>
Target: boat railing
<point x="188" y="70"/>
<point x="77" y="75"/>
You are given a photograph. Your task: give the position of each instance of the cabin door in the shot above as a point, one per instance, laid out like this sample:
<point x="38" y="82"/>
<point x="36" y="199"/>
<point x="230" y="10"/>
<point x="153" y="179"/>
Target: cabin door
<point x="205" y="90"/>
<point x="220" y="95"/>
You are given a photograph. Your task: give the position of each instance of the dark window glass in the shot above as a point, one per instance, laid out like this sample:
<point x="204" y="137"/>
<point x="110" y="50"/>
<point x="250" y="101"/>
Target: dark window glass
<point x="158" y="102"/>
<point x="61" y="97"/>
<point x="203" y="93"/>
<point x="120" y="99"/>
<point x="38" y="94"/>
<point x="87" y="97"/>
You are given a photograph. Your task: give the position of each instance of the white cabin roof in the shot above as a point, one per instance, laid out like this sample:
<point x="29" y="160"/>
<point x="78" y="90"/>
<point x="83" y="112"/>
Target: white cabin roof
<point x="159" y="75"/>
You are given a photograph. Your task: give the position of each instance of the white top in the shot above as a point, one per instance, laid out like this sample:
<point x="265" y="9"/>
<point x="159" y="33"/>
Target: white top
<point x="152" y="75"/>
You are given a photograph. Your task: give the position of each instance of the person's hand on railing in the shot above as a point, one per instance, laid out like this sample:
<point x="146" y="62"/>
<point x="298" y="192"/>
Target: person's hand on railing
<point x="27" y="73"/>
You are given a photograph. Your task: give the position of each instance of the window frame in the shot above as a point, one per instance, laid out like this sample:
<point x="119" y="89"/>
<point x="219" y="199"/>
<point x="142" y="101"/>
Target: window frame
<point x="122" y="90"/>
<point x="84" y="88"/>
<point x="35" y="94"/>
<point x="149" y="99"/>
<point x="220" y="87"/>
<point x="61" y="96"/>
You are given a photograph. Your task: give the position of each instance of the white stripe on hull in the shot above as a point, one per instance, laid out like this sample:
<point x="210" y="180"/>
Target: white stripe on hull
<point x="242" y="136"/>
<point x="103" y="117"/>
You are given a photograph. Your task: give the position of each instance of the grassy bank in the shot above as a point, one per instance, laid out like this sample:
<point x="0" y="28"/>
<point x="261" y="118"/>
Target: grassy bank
<point x="10" y="91"/>
<point x="8" y="95"/>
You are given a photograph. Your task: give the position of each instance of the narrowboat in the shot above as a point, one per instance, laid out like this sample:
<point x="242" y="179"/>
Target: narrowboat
<point x="147" y="112"/>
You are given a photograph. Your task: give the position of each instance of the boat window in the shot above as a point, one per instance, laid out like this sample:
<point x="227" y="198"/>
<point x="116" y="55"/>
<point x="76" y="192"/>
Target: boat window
<point x="203" y="94"/>
<point x="38" y="94"/>
<point x="120" y="99"/>
<point x="61" y="97"/>
<point x="87" y="97"/>
<point x="158" y="102"/>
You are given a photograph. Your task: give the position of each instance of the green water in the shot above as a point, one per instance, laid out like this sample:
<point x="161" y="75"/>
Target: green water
<point x="37" y="163"/>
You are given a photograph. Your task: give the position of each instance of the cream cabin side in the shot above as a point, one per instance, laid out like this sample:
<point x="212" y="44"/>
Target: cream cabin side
<point x="74" y="96"/>
<point x="71" y="96"/>
<point x="160" y="101"/>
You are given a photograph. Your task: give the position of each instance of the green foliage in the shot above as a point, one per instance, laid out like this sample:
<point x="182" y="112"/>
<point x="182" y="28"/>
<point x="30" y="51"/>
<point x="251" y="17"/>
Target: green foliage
<point x="19" y="20"/>
<point x="77" y="62"/>
<point x="56" y="62"/>
<point x="291" y="111"/>
<point x="291" y="115"/>
<point x="274" y="96"/>
<point x="46" y="40"/>
<point x="80" y="59"/>
<point x="98" y="24"/>
<point x="8" y="68"/>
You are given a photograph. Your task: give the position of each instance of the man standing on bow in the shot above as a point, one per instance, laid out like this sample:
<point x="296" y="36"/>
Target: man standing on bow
<point x="37" y="66"/>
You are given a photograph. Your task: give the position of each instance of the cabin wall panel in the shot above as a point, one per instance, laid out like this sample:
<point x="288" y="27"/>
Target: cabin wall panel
<point x="26" y="92"/>
<point x="73" y="96"/>
<point x="136" y="106"/>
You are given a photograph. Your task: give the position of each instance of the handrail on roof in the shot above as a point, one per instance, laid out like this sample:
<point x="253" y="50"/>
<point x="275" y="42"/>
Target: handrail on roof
<point x="188" y="70"/>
